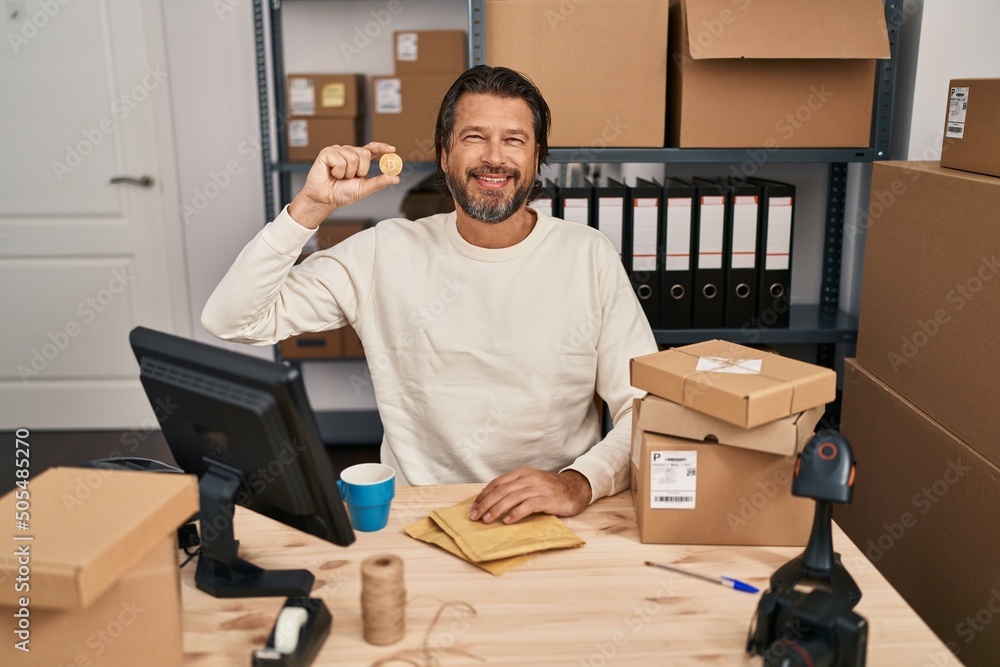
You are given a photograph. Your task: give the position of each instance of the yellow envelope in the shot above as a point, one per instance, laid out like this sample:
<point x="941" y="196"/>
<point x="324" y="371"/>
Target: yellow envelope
<point x="485" y="542"/>
<point x="426" y="530"/>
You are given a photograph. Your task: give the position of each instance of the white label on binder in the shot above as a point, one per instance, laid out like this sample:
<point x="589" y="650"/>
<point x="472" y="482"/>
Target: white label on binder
<point x="678" y="250"/>
<point x="388" y="96"/>
<point x="645" y="214"/>
<point x="713" y="215"/>
<point x="779" y="234"/>
<point x="406" y="46"/>
<point x="673" y="480"/>
<point x="543" y="205"/>
<point x="610" y="213"/>
<point x="298" y="133"/>
<point x="958" y="105"/>
<point x="301" y="97"/>
<point x="576" y="210"/>
<point x="734" y="366"/>
<point x="744" y="250"/>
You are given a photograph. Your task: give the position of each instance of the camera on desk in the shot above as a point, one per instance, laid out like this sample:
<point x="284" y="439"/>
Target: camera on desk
<point x="806" y="617"/>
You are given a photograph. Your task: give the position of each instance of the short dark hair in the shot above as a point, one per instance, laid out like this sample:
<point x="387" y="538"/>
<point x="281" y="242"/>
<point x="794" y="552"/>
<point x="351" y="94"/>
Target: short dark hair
<point x="501" y="82"/>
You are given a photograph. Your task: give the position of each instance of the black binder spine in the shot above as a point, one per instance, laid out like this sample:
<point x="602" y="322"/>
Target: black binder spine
<point x="679" y="216"/>
<point x="741" y="257"/>
<point x="645" y="224"/>
<point x="709" y="288"/>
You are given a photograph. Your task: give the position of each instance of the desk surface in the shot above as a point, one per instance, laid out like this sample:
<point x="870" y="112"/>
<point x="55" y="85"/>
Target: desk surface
<point x="594" y="606"/>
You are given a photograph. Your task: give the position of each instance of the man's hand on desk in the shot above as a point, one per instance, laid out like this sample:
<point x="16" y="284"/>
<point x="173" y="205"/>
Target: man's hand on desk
<point x="526" y="491"/>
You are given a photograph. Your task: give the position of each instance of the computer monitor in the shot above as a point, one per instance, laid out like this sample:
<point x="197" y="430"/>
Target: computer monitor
<point x="244" y="426"/>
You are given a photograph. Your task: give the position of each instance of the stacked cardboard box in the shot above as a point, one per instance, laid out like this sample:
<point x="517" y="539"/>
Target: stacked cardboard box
<point x="713" y="447"/>
<point x="405" y="105"/>
<point x="920" y="401"/>
<point x="972" y="130"/>
<point x="97" y="581"/>
<point x="323" y="110"/>
<point x="342" y="343"/>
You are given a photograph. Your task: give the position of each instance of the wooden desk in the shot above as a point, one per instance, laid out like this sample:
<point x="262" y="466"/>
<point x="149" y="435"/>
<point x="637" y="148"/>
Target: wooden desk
<point x="594" y="606"/>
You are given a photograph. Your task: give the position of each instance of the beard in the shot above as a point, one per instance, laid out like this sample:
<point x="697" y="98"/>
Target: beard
<point x="492" y="206"/>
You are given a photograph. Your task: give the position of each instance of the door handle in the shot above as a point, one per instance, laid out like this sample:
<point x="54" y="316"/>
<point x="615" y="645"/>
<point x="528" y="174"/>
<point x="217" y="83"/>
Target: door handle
<point x="143" y="182"/>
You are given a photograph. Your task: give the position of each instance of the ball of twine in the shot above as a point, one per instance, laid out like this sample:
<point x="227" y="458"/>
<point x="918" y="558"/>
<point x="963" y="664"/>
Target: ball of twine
<point x="383" y="599"/>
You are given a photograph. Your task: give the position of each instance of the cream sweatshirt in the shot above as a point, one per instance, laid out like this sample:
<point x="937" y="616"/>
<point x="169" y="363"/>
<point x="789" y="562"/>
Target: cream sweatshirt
<point x="482" y="360"/>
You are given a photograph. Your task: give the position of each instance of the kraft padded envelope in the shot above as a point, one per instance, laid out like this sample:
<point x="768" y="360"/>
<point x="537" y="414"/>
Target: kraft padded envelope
<point x="426" y="530"/>
<point x="486" y="542"/>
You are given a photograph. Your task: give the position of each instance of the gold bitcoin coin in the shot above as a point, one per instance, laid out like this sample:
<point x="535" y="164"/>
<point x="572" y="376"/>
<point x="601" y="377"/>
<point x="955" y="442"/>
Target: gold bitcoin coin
<point x="390" y="164"/>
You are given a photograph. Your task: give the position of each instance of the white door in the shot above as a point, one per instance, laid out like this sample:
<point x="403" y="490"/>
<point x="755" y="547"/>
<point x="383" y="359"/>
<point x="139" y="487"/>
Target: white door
<point x="84" y="99"/>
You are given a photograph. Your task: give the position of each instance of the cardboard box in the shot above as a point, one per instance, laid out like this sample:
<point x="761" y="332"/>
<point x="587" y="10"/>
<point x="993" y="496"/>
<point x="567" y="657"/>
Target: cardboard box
<point x="431" y="52"/>
<point x="691" y="492"/>
<point x="325" y="95"/>
<point x="930" y="301"/>
<point x="784" y="437"/>
<point x="608" y="95"/>
<point x="405" y="110"/>
<point x="972" y="126"/>
<point x="308" y="136"/>
<point x="102" y="567"/>
<point x="736" y="384"/>
<point x="334" y="230"/>
<point x="924" y="512"/>
<point x="774" y="73"/>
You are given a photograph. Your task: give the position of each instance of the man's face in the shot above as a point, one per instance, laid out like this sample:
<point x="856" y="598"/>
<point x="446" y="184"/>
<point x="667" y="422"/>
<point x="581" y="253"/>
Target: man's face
<point x="490" y="168"/>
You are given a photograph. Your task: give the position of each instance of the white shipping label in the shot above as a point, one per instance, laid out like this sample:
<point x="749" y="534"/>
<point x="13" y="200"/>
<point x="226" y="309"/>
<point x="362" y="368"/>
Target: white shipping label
<point x="298" y="133"/>
<point x="645" y="215"/>
<point x="301" y="97"/>
<point x="958" y="107"/>
<point x="779" y="234"/>
<point x="576" y="210"/>
<point x="406" y="46"/>
<point x="673" y="478"/>
<point x="744" y="233"/>
<point x="735" y="366"/>
<point x="543" y="205"/>
<point x="610" y="213"/>
<point x="678" y="250"/>
<point x="713" y="216"/>
<point x="388" y="96"/>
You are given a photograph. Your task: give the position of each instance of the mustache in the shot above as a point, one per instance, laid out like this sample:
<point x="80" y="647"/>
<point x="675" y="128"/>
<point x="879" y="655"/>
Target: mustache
<point x="483" y="171"/>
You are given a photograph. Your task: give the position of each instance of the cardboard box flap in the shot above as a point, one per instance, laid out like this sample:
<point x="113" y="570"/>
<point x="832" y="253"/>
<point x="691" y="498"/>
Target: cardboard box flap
<point x="88" y="527"/>
<point x="838" y="29"/>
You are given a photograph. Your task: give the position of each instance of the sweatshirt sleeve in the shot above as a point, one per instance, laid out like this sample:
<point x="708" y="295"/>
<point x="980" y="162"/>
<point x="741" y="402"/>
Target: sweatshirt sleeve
<point x="264" y="297"/>
<point x="625" y="333"/>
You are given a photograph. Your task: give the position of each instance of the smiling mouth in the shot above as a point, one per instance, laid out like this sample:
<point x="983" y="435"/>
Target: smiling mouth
<point x="492" y="182"/>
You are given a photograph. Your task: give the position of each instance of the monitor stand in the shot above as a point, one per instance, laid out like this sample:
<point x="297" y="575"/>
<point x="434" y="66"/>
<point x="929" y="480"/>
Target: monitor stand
<point x="221" y="573"/>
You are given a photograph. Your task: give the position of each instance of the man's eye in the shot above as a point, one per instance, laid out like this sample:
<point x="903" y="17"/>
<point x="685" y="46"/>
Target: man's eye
<point x="515" y="140"/>
<point x="473" y="137"/>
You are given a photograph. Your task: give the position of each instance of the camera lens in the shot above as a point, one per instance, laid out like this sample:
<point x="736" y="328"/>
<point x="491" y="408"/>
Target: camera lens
<point x="803" y="652"/>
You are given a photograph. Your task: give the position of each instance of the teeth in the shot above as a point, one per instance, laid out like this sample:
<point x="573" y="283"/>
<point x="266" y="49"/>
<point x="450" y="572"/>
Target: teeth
<point x="493" y="180"/>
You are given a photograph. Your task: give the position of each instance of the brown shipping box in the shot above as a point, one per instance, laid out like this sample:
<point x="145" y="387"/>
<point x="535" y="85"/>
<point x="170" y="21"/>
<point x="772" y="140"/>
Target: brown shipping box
<point x="431" y="52"/>
<point x="774" y="73"/>
<point x="103" y="568"/>
<point x="308" y="136"/>
<point x="972" y="129"/>
<point x="325" y="95"/>
<point x="404" y="111"/>
<point x="784" y="437"/>
<point x="608" y="92"/>
<point x="925" y="513"/>
<point x="930" y="302"/>
<point x="692" y="492"/>
<point x="737" y="384"/>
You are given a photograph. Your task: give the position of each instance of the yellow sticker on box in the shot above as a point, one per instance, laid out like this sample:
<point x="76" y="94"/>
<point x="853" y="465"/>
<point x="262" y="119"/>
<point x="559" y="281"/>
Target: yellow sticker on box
<point x="334" y="95"/>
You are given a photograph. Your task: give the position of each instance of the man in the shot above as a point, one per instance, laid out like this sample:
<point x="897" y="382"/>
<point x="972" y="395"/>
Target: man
<point x="486" y="330"/>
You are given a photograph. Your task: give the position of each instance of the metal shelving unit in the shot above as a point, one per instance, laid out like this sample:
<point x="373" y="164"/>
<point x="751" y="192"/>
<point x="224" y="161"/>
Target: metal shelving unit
<point x="822" y="324"/>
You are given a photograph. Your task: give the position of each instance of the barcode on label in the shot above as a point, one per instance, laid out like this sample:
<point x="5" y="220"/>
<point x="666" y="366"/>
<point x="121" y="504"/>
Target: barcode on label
<point x="955" y="131"/>
<point x="673" y="499"/>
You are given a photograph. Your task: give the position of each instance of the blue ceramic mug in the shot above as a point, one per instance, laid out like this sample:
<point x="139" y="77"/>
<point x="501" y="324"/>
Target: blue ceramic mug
<point x="368" y="489"/>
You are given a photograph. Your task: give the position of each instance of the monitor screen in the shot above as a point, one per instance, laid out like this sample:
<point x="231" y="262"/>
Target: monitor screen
<point x="245" y="427"/>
